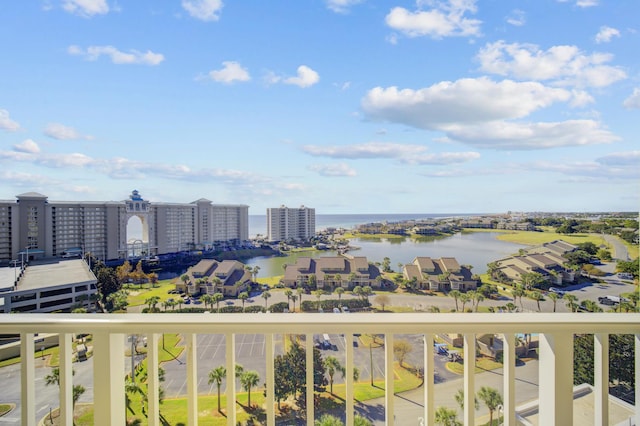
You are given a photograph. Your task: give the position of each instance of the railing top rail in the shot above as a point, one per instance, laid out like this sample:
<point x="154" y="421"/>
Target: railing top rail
<point x="300" y="323"/>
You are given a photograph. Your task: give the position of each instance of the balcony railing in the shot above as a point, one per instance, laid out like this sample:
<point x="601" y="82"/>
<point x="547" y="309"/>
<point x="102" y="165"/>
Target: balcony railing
<point x="555" y="332"/>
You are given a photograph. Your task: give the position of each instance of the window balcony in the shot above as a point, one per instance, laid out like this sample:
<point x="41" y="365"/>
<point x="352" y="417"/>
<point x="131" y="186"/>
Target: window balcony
<point x="555" y="400"/>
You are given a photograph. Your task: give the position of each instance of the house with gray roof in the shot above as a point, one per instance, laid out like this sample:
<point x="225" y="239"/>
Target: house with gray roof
<point x="210" y="276"/>
<point x="330" y="272"/>
<point x="442" y="274"/>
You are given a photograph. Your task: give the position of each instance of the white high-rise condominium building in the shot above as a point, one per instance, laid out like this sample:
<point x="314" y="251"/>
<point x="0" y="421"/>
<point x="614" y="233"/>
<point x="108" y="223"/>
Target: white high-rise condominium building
<point x="284" y="223"/>
<point x="35" y="227"/>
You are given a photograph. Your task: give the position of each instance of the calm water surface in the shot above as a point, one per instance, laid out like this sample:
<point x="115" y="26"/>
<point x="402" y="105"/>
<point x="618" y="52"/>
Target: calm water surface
<point x="476" y="249"/>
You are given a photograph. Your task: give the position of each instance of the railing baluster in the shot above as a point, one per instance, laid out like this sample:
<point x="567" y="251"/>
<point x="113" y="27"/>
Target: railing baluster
<point x="27" y="389"/>
<point x="231" y="378"/>
<point x="428" y="368"/>
<point x="108" y="375"/>
<point x="469" y="378"/>
<point x="509" y="378"/>
<point x="66" y="381"/>
<point x="153" y="392"/>
<point x="601" y="378"/>
<point x="349" y="378"/>
<point x="309" y="368"/>
<point x="388" y="379"/>
<point x="192" y="379"/>
<point x="637" y="370"/>
<point x="270" y="355"/>
<point x="556" y="379"/>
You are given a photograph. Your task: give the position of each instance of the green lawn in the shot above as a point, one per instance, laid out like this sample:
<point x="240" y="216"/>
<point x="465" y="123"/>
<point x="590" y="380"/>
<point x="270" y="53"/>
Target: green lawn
<point x="138" y="295"/>
<point x="533" y="238"/>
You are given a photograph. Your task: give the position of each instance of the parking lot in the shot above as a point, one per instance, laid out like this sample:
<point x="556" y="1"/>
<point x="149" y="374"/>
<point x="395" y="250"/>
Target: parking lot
<point x="250" y="353"/>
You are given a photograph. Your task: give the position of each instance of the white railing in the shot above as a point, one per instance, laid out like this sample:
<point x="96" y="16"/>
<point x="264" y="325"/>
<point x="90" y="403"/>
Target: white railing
<point x="109" y="331"/>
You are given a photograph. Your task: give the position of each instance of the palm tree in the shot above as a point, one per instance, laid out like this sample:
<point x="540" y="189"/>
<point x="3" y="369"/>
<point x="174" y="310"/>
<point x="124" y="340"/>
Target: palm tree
<point x="265" y="295"/>
<point x="217" y="298"/>
<point x="243" y="297"/>
<point x="357" y="291"/>
<point x="318" y="294"/>
<point x="571" y="302"/>
<point x="477" y="297"/>
<point x="456" y="295"/>
<point x="248" y="380"/>
<point x="300" y="292"/>
<point x="332" y="365"/>
<point x="328" y="420"/>
<point x="554" y="297"/>
<point x="465" y="298"/>
<point x="152" y="302"/>
<point x="293" y="299"/>
<point x="207" y="299"/>
<point x="491" y="398"/>
<point x="288" y="292"/>
<point x="217" y="375"/>
<point x="459" y="397"/>
<point x="537" y="296"/>
<point x="131" y="388"/>
<point x="447" y="417"/>
<point x="340" y="292"/>
<point x="518" y="292"/>
<point x="254" y="272"/>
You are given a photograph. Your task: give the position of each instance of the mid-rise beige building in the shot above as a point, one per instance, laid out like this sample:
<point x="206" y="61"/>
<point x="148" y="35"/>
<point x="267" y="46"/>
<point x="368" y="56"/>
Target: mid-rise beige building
<point x="284" y="223"/>
<point x="34" y="227"/>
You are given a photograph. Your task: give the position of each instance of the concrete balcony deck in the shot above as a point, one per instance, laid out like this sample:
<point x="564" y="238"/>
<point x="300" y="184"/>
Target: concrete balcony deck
<point x="555" y="332"/>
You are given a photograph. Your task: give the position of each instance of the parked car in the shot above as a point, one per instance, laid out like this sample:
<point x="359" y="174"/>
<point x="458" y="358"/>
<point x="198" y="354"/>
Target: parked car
<point x="557" y="291"/>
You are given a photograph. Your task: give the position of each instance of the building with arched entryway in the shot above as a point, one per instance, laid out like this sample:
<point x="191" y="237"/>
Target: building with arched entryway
<point x="34" y="227"/>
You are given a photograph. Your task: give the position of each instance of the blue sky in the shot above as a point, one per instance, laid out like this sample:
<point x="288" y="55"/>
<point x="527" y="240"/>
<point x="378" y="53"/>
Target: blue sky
<point x="348" y="106"/>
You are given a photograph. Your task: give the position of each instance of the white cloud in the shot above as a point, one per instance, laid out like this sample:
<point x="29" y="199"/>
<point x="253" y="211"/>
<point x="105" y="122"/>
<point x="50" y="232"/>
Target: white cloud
<point x="503" y="135"/>
<point x="366" y="151"/>
<point x="92" y="53"/>
<point x="86" y="8"/>
<point x="629" y="158"/>
<point x="606" y="34"/>
<point x="446" y="19"/>
<point x="28" y="146"/>
<point x="231" y="71"/>
<point x="306" y="77"/>
<point x="587" y="3"/>
<point x="6" y="123"/>
<point x="405" y="153"/>
<point x="633" y="101"/>
<point x="561" y="65"/>
<point x="465" y="101"/>
<point x="480" y="112"/>
<point x="333" y="170"/>
<point x="341" y="6"/>
<point x="516" y="18"/>
<point x="62" y="132"/>
<point x="204" y="10"/>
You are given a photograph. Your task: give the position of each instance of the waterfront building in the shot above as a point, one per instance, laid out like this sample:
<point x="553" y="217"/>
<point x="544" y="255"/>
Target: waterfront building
<point x="333" y="271"/>
<point x="443" y="274"/>
<point x="34" y="227"/>
<point x="284" y="223"/>
<point x="210" y="276"/>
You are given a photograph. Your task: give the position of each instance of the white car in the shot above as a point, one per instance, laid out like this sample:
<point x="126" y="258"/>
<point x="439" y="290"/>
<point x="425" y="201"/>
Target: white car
<point x="557" y="291"/>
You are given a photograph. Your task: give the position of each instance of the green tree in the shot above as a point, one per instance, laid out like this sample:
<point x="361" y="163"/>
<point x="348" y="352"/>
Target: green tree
<point x="318" y="294"/>
<point x="491" y="398"/>
<point x="459" y="397"/>
<point x="456" y="295"/>
<point x="554" y="298"/>
<point x="217" y="298"/>
<point x="464" y="299"/>
<point x="207" y="299"/>
<point x="151" y="302"/>
<point x="531" y="280"/>
<point x="382" y="300"/>
<point x="243" y="298"/>
<point x="402" y="348"/>
<point x="293" y="299"/>
<point x="217" y="375"/>
<point x="328" y="420"/>
<point x="265" y="295"/>
<point x="339" y="291"/>
<point x="288" y="292"/>
<point x="571" y="302"/>
<point x="447" y="417"/>
<point x="332" y="366"/>
<point x="248" y="380"/>
<point x="536" y="296"/>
